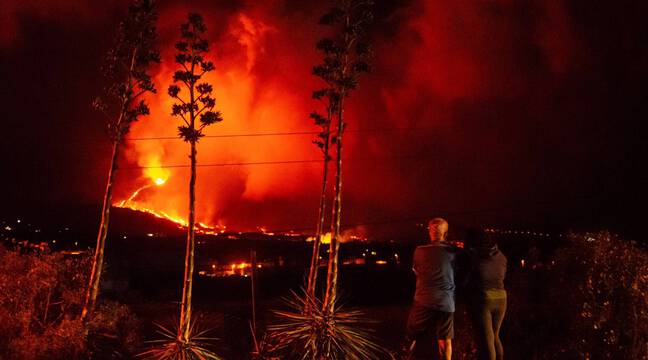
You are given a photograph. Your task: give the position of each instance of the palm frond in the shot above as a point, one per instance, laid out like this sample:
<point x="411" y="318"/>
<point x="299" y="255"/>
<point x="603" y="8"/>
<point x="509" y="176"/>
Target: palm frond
<point x="303" y="331"/>
<point x="170" y="347"/>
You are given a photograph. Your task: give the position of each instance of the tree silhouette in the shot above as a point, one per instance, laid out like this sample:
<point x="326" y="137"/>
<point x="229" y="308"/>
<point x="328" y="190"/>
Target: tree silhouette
<point x="312" y="327"/>
<point x="122" y="104"/>
<point x="346" y="56"/>
<point x="196" y="112"/>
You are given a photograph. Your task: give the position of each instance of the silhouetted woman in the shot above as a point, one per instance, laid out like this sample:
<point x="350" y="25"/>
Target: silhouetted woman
<point x="486" y="293"/>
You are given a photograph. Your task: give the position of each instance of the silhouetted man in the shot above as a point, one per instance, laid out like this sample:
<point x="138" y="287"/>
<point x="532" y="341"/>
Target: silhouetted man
<point x="433" y="308"/>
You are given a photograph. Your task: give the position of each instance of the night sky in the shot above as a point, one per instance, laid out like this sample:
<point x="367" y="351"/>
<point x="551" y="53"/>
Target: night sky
<point x="512" y="113"/>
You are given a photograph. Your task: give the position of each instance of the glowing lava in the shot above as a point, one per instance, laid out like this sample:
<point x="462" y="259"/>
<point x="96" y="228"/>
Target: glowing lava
<point x="159" y="181"/>
<point x="159" y="177"/>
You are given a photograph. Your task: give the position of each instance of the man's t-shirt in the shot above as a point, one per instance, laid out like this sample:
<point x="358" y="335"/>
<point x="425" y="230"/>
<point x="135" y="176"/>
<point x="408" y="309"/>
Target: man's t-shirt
<point x="435" y="284"/>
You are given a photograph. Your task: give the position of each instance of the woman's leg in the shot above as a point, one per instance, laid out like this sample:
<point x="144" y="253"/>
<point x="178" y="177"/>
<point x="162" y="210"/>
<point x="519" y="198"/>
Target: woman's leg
<point x="499" y="310"/>
<point x="483" y="325"/>
<point x="488" y="342"/>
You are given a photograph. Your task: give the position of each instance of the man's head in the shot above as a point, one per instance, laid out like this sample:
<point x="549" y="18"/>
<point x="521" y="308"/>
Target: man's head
<point x="438" y="229"/>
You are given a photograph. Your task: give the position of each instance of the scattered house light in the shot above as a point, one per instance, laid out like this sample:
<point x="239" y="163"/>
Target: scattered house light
<point x="373" y="253"/>
<point x="76" y="243"/>
<point x="149" y="235"/>
<point x="18" y="221"/>
<point x="522" y="262"/>
<point x="8" y="228"/>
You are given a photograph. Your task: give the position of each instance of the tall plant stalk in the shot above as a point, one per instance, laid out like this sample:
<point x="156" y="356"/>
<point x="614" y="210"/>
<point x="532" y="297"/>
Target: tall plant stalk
<point x="197" y="113"/>
<point x="187" y="285"/>
<point x="126" y="69"/>
<point x="345" y="58"/>
<point x="334" y="247"/>
<point x="324" y="145"/>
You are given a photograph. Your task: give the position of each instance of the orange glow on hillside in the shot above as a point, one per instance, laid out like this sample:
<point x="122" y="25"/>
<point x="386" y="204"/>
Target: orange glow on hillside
<point x="248" y="106"/>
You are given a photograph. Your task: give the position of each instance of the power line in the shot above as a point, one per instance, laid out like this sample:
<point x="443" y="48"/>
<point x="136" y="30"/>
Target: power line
<point x="226" y="164"/>
<point x="289" y="133"/>
<point x="304" y="161"/>
<point x="228" y="135"/>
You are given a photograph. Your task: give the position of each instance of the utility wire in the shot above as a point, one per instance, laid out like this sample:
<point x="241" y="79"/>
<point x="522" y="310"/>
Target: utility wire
<point x="305" y="161"/>
<point x="290" y="133"/>
<point x="225" y="164"/>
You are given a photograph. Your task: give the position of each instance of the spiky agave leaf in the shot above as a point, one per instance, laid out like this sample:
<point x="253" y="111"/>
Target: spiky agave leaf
<point x="304" y="331"/>
<point x="171" y="348"/>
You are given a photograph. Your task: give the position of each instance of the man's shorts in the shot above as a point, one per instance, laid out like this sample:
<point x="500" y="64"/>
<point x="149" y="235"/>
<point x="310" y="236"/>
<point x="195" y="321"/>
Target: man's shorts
<point x="423" y="319"/>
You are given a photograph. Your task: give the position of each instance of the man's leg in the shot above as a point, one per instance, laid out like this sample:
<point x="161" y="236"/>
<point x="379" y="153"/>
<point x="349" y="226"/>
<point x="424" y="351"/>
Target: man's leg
<point x="444" y="333"/>
<point x="445" y="349"/>
<point x="417" y="321"/>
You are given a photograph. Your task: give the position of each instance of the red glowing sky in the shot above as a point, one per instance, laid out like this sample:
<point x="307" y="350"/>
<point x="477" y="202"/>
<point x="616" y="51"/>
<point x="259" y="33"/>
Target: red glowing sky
<point x="508" y="105"/>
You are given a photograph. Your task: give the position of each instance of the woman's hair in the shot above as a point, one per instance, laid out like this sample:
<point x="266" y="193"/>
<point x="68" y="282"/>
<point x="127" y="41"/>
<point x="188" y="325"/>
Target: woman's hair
<point x="479" y="239"/>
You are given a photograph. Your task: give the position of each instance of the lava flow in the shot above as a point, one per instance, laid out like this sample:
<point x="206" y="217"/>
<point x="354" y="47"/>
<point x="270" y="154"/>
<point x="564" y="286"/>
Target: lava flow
<point x="159" y="177"/>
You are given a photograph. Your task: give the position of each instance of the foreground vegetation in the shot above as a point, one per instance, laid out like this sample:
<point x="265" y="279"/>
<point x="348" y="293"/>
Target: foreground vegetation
<point x="587" y="299"/>
<point x="41" y="297"/>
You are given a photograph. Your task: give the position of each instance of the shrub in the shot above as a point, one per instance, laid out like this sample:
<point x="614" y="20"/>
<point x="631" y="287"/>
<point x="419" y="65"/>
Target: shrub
<point x="603" y="282"/>
<point x="41" y="296"/>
